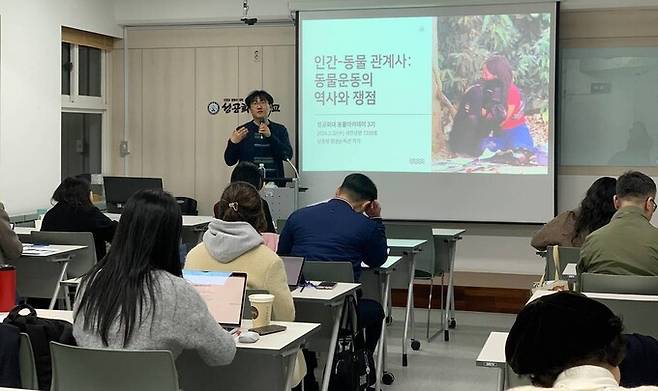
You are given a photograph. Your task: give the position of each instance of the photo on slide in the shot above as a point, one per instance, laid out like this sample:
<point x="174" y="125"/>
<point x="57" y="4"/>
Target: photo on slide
<point x="490" y="98"/>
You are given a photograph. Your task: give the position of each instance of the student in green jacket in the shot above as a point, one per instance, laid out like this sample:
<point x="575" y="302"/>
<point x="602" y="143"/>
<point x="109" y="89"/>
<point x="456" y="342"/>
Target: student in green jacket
<point x="629" y="243"/>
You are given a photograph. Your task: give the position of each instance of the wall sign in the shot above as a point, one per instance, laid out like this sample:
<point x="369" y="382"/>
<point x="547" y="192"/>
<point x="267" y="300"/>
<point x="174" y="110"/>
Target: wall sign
<point x="237" y="106"/>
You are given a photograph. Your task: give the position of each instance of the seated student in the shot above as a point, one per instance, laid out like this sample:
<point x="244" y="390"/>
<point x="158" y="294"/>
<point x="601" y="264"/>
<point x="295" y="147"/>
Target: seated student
<point x="338" y="230"/>
<point x="248" y="172"/>
<point x="233" y="243"/>
<point x="629" y="243"/>
<point x="570" y="228"/>
<point x="74" y="212"/>
<point x="568" y="342"/>
<point x="10" y="246"/>
<point x="136" y="298"/>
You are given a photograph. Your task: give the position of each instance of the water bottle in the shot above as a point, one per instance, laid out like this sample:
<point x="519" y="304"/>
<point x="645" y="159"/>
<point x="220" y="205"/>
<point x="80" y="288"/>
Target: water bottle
<point x="262" y="170"/>
<point x="7" y="287"/>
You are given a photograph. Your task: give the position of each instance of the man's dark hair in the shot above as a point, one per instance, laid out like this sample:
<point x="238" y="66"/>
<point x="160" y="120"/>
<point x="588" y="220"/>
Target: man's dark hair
<point x="247" y="172"/>
<point x="258" y="94"/>
<point x="359" y="187"/>
<point x="560" y="331"/>
<point x="634" y="184"/>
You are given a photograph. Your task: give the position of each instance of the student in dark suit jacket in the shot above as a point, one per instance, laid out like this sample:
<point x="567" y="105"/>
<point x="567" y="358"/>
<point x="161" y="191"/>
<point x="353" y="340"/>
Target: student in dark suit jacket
<point x="74" y="212"/>
<point x="346" y="228"/>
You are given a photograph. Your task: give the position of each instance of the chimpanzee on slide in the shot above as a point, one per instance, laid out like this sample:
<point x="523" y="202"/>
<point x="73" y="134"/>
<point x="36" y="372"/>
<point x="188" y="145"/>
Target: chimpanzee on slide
<point x="480" y="111"/>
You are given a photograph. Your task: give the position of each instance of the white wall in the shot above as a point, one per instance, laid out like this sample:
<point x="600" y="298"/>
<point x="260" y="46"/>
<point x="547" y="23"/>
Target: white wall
<point x="30" y="92"/>
<point x="143" y="12"/>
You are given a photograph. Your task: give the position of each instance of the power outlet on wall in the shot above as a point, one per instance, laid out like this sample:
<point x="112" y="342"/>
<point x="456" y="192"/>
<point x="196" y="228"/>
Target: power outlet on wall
<point x="123" y="148"/>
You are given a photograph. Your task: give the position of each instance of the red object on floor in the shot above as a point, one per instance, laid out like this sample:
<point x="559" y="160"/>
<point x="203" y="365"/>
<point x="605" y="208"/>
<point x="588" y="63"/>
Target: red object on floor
<point x="7" y="288"/>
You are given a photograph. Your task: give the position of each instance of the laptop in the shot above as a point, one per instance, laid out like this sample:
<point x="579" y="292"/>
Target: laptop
<point x="293" y="266"/>
<point x="223" y="293"/>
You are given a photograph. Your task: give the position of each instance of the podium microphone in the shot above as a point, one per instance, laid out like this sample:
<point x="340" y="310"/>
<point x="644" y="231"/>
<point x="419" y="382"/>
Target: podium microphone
<point x="293" y="168"/>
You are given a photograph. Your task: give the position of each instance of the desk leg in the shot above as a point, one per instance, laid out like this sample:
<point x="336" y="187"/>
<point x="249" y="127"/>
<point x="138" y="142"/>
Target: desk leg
<point x="62" y="277"/>
<point x="381" y="346"/>
<point x="338" y="310"/>
<point x="450" y="299"/>
<point x="501" y="379"/>
<point x="410" y="302"/>
<point x="291" y="359"/>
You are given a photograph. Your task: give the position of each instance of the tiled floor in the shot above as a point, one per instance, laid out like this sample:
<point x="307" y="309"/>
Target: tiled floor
<point x="443" y="365"/>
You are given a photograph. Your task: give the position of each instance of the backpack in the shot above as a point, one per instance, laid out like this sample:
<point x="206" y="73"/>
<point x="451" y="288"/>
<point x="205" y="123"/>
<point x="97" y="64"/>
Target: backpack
<point x="41" y="331"/>
<point x="353" y="368"/>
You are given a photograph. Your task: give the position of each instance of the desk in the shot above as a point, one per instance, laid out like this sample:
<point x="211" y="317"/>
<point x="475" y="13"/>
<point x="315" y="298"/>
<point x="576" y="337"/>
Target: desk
<point x="446" y="239"/>
<point x="384" y="273"/>
<point x="267" y="364"/>
<point x="32" y="279"/>
<point x="492" y="355"/>
<point x="408" y="248"/>
<point x="284" y="346"/>
<point x="334" y="299"/>
<point x="196" y="225"/>
<point x="24" y="230"/>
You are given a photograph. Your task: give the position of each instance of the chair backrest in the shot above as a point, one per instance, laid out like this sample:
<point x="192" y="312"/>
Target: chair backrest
<point x="563" y="256"/>
<point x="77" y="368"/>
<point x="83" y="260"/>
<point x="29" y="379"/>
<point x="328" y="271"/>
<point x="639" y="313"/>
<point x="609" y="283"/>
<point x="188" y="206"/>
<point x="246" y="307"/>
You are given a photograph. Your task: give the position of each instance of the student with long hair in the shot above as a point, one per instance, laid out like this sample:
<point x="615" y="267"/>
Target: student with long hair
<point x="136" y="298"/>
<point x="570" y="228"/>
<point x="514" y="132"/>
<point x="74" y="212"/>
<point x="233" y="243"/>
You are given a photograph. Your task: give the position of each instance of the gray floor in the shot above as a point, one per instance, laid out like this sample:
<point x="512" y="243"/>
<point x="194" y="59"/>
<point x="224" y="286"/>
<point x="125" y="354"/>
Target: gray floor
<point x="441" y="365"/>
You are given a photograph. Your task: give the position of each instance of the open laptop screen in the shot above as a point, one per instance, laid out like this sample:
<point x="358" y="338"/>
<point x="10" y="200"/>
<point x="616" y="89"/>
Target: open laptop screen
<point x="293" y="266"/>
<point x="223" y="293"/>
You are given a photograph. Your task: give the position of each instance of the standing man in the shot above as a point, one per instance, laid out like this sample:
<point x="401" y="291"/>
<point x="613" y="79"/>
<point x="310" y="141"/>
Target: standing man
<point x="260" y="140"/>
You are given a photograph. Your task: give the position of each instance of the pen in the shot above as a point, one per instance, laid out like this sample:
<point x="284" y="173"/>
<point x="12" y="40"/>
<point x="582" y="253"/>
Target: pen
<point x="302" y="290"/>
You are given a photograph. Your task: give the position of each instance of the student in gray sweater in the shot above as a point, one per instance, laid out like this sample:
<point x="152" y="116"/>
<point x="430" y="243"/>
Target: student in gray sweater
<point x="136" y="298"/>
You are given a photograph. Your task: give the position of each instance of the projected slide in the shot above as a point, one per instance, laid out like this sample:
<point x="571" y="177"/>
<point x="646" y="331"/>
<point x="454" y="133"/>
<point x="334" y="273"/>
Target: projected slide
<point x="447" y="94"/>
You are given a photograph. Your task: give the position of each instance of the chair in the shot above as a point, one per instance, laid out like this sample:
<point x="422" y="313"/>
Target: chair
<point x="557" y="258"/>
<point x="622" y="284"/>
<point x="639" y="313"/>
<point x="188" y="206"/>
<point x="77" y="368"/>
<point x="328" y="271"/>
<point x="83" y="261"/>
<point x="29" y="379"/>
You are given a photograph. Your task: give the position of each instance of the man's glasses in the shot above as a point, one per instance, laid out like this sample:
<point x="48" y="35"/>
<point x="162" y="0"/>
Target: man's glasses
<point x="653" y="202"/>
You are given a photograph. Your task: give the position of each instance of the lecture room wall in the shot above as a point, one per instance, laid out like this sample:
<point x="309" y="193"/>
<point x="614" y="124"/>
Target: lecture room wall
<point x="30" y="103"/>
<point x="30" y="92"/>
<point x="480" y="251"/>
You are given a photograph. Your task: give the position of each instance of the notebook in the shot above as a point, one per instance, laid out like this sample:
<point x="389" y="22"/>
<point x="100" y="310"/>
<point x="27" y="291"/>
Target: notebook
<point x="223" y="293"/>
<point x="293" y="266"/>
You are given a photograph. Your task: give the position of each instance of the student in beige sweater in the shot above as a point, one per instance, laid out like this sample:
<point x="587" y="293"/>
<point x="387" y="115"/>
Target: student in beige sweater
<point x="233" y="243"/>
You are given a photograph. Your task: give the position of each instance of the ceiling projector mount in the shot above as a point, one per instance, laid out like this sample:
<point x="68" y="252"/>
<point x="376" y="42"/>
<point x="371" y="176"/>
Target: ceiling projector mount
<point x="245" y="10"/>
